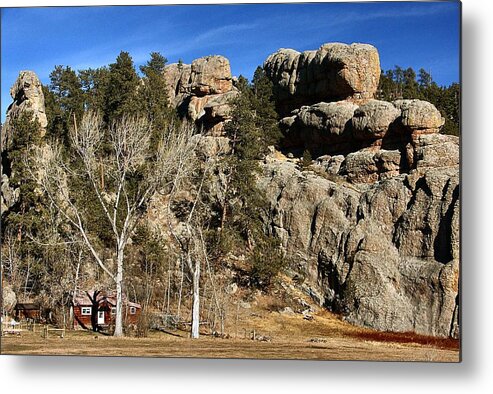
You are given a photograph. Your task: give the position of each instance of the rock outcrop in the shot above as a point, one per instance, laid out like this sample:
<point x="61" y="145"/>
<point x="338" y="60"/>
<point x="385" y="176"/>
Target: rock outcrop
<point x="28" y="96"/>
<point x="210" y="75"/>
<point x="9" y="195"/>
<point x="333" y="72"/>
<point x="202" y="91"/>
<point x="374" y="223"/>
<point x="419" y="117"/>
<point x="377" y="137"/>
<point x="373" y="120"/>
<point x="322" y="127"/>
<point x="344" y="127"/>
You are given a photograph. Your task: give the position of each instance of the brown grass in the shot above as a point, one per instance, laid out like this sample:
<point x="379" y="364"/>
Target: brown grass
<point x="324" y="338"/>
<point x="161" y="345"/>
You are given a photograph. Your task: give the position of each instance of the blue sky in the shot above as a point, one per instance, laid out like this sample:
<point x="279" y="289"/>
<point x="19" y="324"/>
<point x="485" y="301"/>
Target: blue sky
<point x="408" y="34"/>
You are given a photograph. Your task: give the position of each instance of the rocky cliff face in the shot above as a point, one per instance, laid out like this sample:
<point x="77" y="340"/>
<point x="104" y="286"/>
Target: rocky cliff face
<point x="374" y="223"/>
<point x="202" y="91"/>
<point x="384" y="254"/>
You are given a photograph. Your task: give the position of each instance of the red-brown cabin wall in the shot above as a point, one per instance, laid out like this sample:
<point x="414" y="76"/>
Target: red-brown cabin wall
<point x="109" y="318"/>
<point x="79" y="317"/>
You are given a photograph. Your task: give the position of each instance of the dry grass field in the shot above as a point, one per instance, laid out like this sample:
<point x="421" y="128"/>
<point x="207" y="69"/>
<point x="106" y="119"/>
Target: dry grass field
<point x="291" y="337"/>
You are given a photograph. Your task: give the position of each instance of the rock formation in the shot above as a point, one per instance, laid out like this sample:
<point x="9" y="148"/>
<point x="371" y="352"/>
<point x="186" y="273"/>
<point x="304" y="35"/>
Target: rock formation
<point x="375" y="225"/>
<point x="202" y="91"/>
<point x="384" y="255"/>
<point x="377" y="137"/>
<point x="8" y="194"/>
<point x="333" y="72"/>
<point x="28" y="96"/>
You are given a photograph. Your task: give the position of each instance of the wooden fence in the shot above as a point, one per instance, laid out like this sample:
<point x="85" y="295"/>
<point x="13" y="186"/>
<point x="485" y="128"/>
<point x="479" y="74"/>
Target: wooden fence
<point x="8" y="328"/>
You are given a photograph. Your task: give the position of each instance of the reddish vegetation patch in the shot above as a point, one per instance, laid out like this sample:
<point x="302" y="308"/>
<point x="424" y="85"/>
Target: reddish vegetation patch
<point x="409" y="337"/>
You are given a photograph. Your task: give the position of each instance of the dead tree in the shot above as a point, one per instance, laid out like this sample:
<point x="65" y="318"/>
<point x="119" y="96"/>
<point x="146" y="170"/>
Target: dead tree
<point x="134" y="172"/>
<point x="189" y="239"/>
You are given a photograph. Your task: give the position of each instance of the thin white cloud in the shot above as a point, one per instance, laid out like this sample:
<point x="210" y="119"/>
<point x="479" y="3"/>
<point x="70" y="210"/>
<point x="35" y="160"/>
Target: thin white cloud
<point x="223" y="34"/>
<point x="389" y="14"/>
<point x="348" y="19"/>
<point x="222" y="31"/>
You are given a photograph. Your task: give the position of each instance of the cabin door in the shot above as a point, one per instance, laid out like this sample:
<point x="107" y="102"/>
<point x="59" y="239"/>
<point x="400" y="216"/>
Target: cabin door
<point x="100" y="317"/>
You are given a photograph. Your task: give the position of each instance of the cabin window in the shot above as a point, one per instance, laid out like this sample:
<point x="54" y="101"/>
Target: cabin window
<point x="86" y="311"/>
<point x="133" y="310"/>
<point x="113" y="311"/>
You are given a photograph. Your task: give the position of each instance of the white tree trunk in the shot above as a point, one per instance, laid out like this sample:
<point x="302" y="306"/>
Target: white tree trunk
<point x="196" y="300"/>
<point x="119" y="299"/>
<point x="181" y="289"/>
<point x="76" y="281"/>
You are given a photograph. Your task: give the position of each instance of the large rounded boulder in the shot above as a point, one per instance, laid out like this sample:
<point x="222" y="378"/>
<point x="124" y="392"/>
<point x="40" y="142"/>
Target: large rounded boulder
<point x="333" y="72"/>
<point x="420" y="116"/>
<point x="373" y="119"/>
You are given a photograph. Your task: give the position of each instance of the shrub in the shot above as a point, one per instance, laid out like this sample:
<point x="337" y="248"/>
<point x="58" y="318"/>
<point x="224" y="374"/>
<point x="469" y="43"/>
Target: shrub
<point x="306" y="160"/>
<point x="266" y="262"/>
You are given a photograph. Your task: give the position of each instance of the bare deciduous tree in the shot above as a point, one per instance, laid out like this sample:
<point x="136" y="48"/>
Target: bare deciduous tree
<point x="189" y="236"/>
<point x="122" y="180"/>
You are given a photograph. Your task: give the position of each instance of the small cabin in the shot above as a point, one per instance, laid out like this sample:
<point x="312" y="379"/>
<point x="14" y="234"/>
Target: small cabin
<point x="27" y="310"/>
<point x="97" y="310"/>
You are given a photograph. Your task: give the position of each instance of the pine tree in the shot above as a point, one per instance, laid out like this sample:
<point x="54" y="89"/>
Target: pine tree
<point x="242" y="166"/>
<point x="424" y="79"/>
<point x="67" y="89"/>
<point x="267" y="118"/>
<point x="410" y="86"/>
<point x="56" y="127"/>
<point x="26" y="216"/>
<point x="398" y="77"/>
<point x="251" y="130"/>
<point x="386" y="88"/>
<point x="450" y="105"/>
<point x="122" y="90"/>
<point x="64" y="101"/>
<point x="154" y="95"/>
<point x="306" y="161"/>
<point x="156" y="64"/>
<point x="400" y="83"/>
<point x="94" y="83"/>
